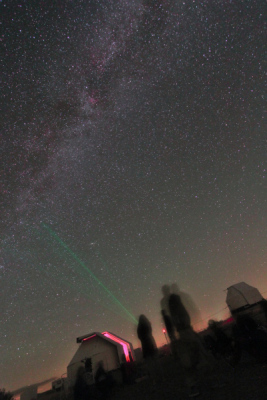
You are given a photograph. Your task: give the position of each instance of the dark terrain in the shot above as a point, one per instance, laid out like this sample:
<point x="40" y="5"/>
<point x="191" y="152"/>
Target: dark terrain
<point x="247" y="381"/>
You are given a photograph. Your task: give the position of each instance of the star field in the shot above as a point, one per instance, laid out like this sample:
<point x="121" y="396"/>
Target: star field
<point x="133" y="155"/>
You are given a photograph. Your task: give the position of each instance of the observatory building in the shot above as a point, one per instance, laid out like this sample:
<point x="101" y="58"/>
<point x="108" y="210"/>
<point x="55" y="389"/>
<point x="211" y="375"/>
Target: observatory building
<point x="97" y="347"/>
<point x="243" y="299"/>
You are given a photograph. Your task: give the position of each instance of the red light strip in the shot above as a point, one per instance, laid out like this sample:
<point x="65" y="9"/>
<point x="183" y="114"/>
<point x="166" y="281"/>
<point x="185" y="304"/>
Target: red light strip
<point x="117" y="340"/>
<point x="84" y="340"/>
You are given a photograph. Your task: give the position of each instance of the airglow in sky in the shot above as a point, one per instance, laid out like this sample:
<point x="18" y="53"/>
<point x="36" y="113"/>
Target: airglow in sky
<point x="133" y="155"/>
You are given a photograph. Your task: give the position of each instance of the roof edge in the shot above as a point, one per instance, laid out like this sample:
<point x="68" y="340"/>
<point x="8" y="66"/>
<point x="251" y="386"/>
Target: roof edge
<point x="81" y="338"/>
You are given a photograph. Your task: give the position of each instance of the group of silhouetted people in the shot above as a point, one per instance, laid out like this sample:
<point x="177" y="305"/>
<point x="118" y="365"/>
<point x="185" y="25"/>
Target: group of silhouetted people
<point x="194" y="351"/>
<point x="246" y="336"/>
<point x="185" y="343"/>
<point x="249" y="337"/>
<point x="92" y="387"/>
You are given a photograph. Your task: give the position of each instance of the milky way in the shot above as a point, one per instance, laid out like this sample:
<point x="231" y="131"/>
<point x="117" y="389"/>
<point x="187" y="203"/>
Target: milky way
<point x="133" y="150"/>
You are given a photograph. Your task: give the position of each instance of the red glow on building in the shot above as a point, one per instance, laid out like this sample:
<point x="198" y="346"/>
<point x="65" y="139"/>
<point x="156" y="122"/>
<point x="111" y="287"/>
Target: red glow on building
<point x="228" y="321"/>
<point x="84" y="340"/>
<point x="125" y="345"/>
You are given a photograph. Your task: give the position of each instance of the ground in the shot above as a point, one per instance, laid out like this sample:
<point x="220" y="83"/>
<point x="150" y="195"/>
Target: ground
<point x="247" y="381"/>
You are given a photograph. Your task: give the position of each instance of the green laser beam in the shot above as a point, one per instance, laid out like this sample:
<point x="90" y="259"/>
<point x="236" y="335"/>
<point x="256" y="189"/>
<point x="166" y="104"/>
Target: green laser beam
<point x="52" y="233"/>
<point x="82" y="290"/>
<point x="51" y="277"/>
<point x="57" y="274"/>
<point x="103" y="262"/>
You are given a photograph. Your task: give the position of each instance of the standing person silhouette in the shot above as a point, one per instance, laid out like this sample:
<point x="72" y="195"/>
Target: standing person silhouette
<point x="149" y="347"/>
<point x="164" y="302"/>
<point x="189" y="304"/>
<point x="144" y="333"/>
<point x="188" y="348"/>
<point x="165" y="312"/>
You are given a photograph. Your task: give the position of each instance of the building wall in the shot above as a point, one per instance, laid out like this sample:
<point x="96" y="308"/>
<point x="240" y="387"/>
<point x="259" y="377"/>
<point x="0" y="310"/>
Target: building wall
<point x="97" y="349"/>
<point x="29" y="393"/>
<point x="255" y="312"/>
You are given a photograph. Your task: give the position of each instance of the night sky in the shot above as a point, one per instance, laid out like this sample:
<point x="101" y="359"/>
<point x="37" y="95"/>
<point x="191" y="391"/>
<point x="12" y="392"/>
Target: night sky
<point x="132" y="155"/>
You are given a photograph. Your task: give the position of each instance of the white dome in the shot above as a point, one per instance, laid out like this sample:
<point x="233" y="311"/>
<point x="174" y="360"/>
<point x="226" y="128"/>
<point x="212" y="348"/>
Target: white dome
<point x="241" y="294"/>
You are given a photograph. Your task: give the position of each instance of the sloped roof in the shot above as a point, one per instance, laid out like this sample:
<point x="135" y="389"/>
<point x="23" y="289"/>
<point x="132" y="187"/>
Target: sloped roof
<point x="80" y="339"/>
<point x="241" y="294"/>
<point x="93" y="336"/>
<point x="118" y="337"/>
<point x="113" y="339"/>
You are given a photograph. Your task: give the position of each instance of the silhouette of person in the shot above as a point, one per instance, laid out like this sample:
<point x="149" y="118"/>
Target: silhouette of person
<point x="188" y="303"/>
<point x="100" y="374"/>
<point x="264" y="309"/>
<point x="144" y="333"/>
<point x="127" y="370"/>
<point x="169" y="325"/>
<point x="84" y="387"/>
<point x="149" y="348"/>
<point x="104" y="382"/>
<point x="164" y="302"/>
<point x="249" y="337"/>
<point x="222" y="343"/>
<point x="189" y="348"/>
<point x="79" y="389"/>
<point x="165" y="312"/>
<point x="180" y="317"/>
